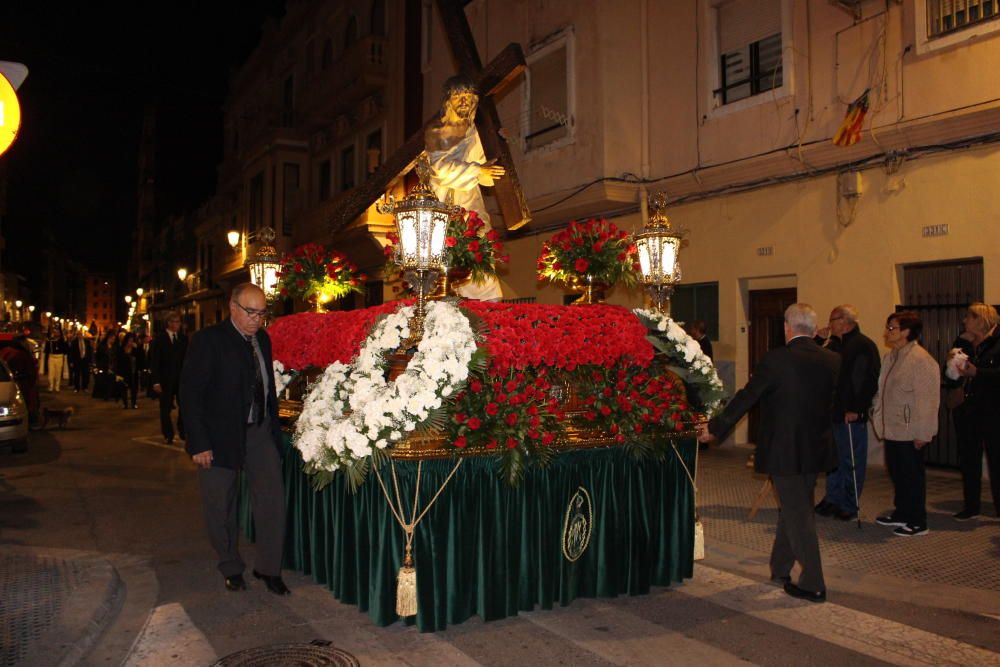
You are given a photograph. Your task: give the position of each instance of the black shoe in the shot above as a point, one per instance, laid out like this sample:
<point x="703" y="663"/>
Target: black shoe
<point x="846" y="516"/>
<point x="781" y="582"/>
<point x="910" y="530"/>
<point x="825" y="509"/>
<point x="236" y="583"/>
<point x="274" y="583"/>
<point x="797" y="592"/>
<point x="965" y="515"/>
<point x="889" y="520"/>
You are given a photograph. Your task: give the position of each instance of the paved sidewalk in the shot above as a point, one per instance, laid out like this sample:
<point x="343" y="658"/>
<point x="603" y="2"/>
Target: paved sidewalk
<point x="54" y="604"/>
<point x="956" y="554"/>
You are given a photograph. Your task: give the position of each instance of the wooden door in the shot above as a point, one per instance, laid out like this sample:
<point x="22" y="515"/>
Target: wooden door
<point x="767" y="318"/>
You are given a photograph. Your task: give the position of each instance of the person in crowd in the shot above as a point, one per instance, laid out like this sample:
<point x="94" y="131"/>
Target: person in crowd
<point x="166" y="360"/>
<point x="127" y="364"/>
<point x="856" y="386"/>
<point x="976" y="408"/>
<point x="83" y="350"/>
<point x="699" y="332"/>
<point x="905" y="418"/>
<point x="145" y="384"/>
<point x="56" y="350"/>
<point x="229" y="401"/>
<point x="795" y="387"/>
<point x="103" y="364"/>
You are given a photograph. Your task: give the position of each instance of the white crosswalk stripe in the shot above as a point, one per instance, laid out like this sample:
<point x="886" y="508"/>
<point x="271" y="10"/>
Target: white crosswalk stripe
<point x="170" y="638"/>
<point x="877" y="637"/>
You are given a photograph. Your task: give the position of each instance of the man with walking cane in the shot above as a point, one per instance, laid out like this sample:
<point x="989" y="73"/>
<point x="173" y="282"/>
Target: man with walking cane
<point x="856" y="386"/>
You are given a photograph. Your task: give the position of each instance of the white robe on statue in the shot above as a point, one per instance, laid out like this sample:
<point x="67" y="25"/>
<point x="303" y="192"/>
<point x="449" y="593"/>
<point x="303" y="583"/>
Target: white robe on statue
<point x="456" y="172"/>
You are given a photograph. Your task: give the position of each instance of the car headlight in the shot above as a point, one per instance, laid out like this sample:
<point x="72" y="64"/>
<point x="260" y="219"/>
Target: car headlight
<point x="10" y="409"/>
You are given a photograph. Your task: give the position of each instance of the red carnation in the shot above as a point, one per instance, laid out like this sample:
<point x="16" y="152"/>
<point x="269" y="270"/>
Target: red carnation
<point x="475" y="386"/>
<point x="581" y="265"/>
<point x="474" y="423"/>
<point x="492" y="409"/>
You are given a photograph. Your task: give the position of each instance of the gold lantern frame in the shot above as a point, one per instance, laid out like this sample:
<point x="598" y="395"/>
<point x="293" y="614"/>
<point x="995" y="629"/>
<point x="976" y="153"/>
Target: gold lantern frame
<point x="265" y="264"/>
<point x="657" y="238"/>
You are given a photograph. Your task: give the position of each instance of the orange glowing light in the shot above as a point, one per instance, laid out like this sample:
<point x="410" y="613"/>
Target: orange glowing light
<point x="10" y="114"/>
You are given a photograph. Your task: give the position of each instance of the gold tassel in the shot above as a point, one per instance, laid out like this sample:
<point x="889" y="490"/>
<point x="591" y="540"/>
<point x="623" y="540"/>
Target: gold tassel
<point x="406" y="588"/>
<point x="699" y="540"/>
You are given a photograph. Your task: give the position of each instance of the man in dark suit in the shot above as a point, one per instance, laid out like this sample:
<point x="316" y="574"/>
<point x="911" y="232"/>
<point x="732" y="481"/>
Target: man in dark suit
<point x="794" y="385"/>
<point x="231" y="408"/>
<point x="166" y="357"/>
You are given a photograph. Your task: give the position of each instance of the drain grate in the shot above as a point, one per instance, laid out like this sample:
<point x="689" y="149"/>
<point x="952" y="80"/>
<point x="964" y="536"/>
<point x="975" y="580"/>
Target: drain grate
<point x="34" y="590"/>
<point x="289" y="655"/>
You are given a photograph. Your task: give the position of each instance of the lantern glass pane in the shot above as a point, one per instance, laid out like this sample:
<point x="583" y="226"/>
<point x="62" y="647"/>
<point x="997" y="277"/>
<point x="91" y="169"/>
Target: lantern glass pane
<point x="424" y="235"/>
<point x="644" y="263"/>
<point x="270" y="279"/>
<point x="407" y="233"/>
<point x="668" y="257"/>
<point x="437" y="236"/>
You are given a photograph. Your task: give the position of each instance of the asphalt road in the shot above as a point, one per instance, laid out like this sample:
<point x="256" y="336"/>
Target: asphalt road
<point x="108" y="486"/>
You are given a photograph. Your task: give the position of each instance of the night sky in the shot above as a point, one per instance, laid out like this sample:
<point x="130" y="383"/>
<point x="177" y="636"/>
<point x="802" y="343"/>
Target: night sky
<point x="73" y="169"/>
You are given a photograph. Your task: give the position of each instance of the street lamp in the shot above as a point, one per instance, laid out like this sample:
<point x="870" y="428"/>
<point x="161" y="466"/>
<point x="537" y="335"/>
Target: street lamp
<point x="128" y="298"/>
<point x="265" y="265"/>
<point x="182" y="273"/>
<point x="421" y="220"/>
<point x="233" y="237"/>
<point x="659" y="246"/>
<point x="138" y="291"/>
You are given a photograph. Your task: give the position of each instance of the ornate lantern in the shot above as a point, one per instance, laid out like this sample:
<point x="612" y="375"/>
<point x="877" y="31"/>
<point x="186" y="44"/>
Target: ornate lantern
<point x="421" y="223"/>
<point x="264" y="266"/>
<point x="659" y="246"/>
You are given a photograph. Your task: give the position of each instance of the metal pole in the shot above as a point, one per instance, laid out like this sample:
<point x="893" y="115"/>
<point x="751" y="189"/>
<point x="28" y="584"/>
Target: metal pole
<point x="854" y="472"/>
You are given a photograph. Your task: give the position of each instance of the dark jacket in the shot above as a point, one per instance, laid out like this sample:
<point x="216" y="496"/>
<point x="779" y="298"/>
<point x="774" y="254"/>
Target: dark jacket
<point x="216" y="393"/>
<point x="794" y="385"/>
<point x="128" y="365"/>
<point x="982" y="392"/>
<point x="166" y="360"/>
<point x="857" y="383"/>
<point x="56" y="346"/>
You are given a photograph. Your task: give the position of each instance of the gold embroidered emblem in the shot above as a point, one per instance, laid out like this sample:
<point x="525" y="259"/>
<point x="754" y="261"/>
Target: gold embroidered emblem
<point x="578" y="525"/>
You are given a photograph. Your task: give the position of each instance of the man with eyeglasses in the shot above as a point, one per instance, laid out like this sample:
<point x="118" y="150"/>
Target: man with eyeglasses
<point x="166" y="357"/>
<point x="231" y="410"/>
<point x="856" y="387"/>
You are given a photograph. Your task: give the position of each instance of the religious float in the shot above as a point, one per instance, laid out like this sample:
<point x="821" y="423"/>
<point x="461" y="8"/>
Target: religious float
<point x="449" y="458"/>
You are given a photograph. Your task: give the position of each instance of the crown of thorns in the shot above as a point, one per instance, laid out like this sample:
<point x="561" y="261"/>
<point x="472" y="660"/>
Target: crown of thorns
<point x="460" y="85"/>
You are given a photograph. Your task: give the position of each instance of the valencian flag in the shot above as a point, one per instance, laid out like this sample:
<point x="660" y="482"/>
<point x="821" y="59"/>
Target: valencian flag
<point x="849" y="132"/>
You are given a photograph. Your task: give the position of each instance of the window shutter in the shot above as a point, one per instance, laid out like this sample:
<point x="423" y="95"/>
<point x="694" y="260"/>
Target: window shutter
<point x="742" y="22"/>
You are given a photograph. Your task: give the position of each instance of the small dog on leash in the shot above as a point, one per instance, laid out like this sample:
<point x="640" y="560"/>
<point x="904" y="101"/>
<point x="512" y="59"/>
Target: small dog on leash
<point x="59" y="415"/>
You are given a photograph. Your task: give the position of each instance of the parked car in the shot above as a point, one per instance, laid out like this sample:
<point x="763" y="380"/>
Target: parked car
<point x="13" y="412"/>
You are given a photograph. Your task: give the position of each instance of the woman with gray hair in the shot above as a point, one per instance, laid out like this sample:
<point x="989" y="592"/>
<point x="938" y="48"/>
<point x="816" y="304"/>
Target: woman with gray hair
<point x="977" y="417"/>
<point x="905" y="417"/>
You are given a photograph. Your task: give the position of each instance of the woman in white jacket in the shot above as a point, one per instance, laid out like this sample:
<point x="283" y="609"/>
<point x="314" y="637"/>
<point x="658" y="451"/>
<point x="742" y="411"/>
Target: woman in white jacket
<point x="905" y="417"/>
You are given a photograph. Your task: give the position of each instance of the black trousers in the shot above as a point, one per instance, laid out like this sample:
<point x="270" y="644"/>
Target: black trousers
<point x="167" y="399"/>
<point x="795" y="538"/>
<point x="909" y="480"/>
<point x="973" y="438"/>
<point x="219" y="487"/>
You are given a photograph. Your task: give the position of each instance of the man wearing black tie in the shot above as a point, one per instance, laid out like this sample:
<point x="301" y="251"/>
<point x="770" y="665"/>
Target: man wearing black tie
<point x="231" y="410"/>
<point x="794" y="385"/>
<point x="166" y="358"/>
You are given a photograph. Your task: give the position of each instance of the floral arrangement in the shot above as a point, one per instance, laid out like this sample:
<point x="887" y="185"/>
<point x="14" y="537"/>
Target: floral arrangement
<point x="469" y="246"/>
<point x="490" y="376"/>
<point x="354" y="410"/>
<point x="596" y="249"/>
<point x="311" y="272"/>
<point x="687" y="359"/>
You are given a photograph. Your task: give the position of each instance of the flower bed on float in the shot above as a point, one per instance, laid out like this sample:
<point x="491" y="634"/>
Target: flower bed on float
<point x="515" y="381"/>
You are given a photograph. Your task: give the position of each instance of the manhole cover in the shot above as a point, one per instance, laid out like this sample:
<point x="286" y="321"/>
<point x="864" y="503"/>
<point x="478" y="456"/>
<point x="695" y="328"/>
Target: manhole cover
<point x="289" y="655"/>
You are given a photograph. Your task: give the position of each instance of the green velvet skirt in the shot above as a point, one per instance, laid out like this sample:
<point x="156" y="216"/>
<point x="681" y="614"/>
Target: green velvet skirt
<point x="489" y="549"/>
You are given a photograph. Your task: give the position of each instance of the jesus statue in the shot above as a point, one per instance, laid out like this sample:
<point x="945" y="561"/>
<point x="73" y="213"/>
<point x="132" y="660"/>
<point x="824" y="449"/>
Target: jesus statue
<point x="458" y="165"/>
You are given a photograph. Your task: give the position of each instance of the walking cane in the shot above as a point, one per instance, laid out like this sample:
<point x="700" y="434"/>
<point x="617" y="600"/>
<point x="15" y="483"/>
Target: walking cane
<point x="854" y="472"/>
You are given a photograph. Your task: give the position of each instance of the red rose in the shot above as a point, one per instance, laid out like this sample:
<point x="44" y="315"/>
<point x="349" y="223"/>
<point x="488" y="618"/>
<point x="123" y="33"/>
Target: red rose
<point x="478" y="257"/>
<point x="511" y="443"/>
<point x="450" y="241"/>
<point x="511" y="419"/>
<point x="460" y="417"/>
<point x="473" y="246"/>
<point x="475" y="386"/>
<point x="581" y="265"/>
<point x="598" y="247"/>
<point x="493" y="235"/>
<point x="547" y="438"/>
<point x="605" y="410"/>
<point x="556" y="266"/>
<point x="492" y="409"/>
<point x="619" y="438"/>
<point x="492" y="444"/>
<point x="474" y="423"/>
<point x="460" y="441"/>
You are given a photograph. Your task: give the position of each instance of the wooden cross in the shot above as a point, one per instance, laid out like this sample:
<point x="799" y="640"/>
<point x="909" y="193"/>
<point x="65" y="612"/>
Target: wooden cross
<point x="490" y="80"/>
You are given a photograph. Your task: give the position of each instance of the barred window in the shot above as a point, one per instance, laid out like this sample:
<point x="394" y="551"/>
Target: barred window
<point x="947" y="16"/>
<point x="750" y="48"/>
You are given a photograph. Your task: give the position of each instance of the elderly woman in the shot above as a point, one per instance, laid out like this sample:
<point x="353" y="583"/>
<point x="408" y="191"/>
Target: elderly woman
<point x="905" y="417"/>
<point x="977" y="417"/>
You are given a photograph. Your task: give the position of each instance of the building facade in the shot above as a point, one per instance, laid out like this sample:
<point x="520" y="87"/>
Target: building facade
<point x="101" y="300"/>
